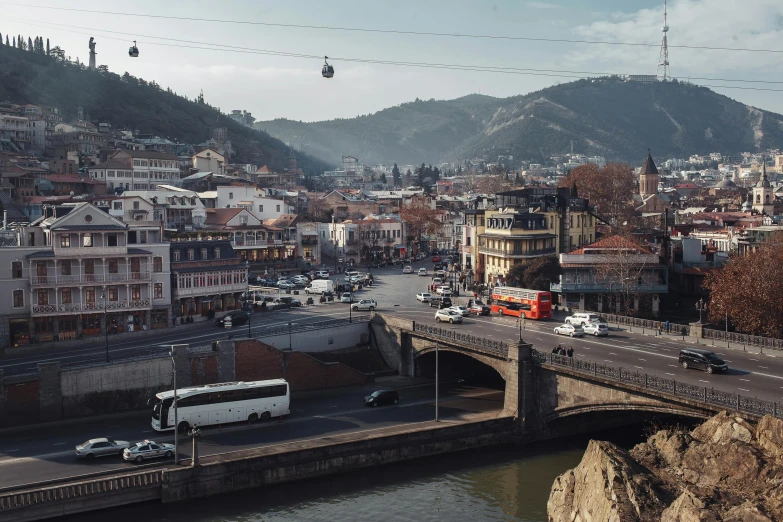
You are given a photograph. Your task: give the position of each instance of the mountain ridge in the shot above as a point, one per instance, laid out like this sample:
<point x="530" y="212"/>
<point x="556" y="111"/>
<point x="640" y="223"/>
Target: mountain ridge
<point x="603" y="116"/>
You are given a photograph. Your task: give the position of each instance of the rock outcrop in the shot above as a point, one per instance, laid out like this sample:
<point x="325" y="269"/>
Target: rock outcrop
<point x="725" y="470"/>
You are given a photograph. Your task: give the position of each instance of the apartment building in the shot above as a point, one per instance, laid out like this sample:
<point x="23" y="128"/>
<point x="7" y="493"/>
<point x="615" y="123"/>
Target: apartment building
<point x="150" y="168"/>
<point x="79" y="271"/>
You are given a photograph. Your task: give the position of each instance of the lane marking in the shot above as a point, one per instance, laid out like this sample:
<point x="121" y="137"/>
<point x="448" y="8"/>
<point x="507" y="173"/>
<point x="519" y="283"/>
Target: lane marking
<point x="703" y="381"/>
<point x="640" y="367"/>
<point x="645" y="360"/>
<point x="673" y="366"/>
<point x="59" y="443"/>
<point x="746" y="380"/>
<point x="607" y="360"/>
<point x="743" y="389"/>
<point x="764" y="367"/>
<point x="612" y="353"/>
<point x="755" y="360"/>
<point x="669" y="374"/>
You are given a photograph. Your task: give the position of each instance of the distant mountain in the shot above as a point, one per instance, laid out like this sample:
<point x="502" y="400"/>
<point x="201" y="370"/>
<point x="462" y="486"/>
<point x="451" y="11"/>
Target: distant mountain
<point x="132" y="103"/>
<point x="608" y="117"/>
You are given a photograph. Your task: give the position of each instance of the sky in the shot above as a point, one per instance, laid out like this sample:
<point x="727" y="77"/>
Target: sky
<point x="238" y="76"/>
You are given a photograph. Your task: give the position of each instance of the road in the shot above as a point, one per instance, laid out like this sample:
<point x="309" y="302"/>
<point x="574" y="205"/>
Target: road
<point x="37" y="454"/>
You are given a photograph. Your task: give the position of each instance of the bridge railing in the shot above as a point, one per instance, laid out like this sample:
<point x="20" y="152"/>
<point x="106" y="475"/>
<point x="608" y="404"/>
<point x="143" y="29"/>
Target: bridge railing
<point x="741" y="338"/>
<point x="711" y="396"/>
<point x="461" y="337"/>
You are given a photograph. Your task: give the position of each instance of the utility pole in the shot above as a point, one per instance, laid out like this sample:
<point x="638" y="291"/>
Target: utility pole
<point x="436" y="381"/>
<point x="173" y="354"/>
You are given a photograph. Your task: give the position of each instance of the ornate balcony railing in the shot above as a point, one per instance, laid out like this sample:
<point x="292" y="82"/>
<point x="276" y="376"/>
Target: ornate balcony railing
<point x="91" y="251"/>
<point x="71" y="308"/>
<point x="89" y="278"/>
<point x="513" y="252"/>
<point x="210" y="290"/>
<point x="607" y="288"/>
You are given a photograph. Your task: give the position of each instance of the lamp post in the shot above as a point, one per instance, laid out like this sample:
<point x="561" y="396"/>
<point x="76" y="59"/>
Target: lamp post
<point x="350" y="301"/>
<point x="104" y="300"/>
<point x="172" y="355"/>
<point x="436" y="381"/>
<point x="247" y="297"/>
<point x="701" y="306"/>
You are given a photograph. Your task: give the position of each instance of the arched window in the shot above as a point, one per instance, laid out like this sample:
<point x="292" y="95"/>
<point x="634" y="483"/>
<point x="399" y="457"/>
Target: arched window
<point x="766" y="198"/>
<point x="758" y="198"/>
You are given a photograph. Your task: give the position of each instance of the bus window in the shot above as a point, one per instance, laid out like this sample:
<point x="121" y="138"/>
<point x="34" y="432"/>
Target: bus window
<point x="279" y="390"/>
<point x="544" y="298"/>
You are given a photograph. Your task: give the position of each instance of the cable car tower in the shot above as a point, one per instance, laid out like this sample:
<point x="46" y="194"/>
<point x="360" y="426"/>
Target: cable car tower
<point x="663" y="60"/>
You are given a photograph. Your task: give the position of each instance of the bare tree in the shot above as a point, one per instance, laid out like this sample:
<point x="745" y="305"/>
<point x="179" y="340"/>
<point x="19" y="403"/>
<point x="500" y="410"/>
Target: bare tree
<point x="626" y="268"/>
<point x="419" y="218"/>
<point x="610" y="189"/>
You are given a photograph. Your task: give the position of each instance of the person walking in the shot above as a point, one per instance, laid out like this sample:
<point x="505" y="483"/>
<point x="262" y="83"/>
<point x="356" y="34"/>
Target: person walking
<point x="667" y="326"/>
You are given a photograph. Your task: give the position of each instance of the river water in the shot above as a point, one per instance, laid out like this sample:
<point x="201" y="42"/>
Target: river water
<point x="508" y="483"/>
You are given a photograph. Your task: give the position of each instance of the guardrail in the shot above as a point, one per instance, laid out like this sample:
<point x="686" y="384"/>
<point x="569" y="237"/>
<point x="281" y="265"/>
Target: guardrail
<point x="710" y="396"/>
<point x="460" y="337"/>
<point x="296" y="328"/>
<point x="740" y="338"/>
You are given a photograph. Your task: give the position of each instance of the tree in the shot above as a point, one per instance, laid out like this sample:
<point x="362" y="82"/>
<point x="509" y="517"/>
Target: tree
<point x="491" y="184"/>
<point x="535" y="274"/>
<point x="30" y="44"/>
<point x="6" y="40"/>
<point x="749" y="291"/>
<point x="370" y="234"/>
<point x="419" y="218"/>
<point x="624" y="265"/>
<point x="383" y="178"/>
<point x="14" y="41"/>
<point x="318" y="209"/>
<point x="396" y="176"/>
<point x="47" y="48"/>
<point x="1" y="39"/>
<point x="610" y="189"/>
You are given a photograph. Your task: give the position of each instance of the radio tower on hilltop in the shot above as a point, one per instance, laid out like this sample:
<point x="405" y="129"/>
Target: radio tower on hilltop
<point x="663" y="60"/>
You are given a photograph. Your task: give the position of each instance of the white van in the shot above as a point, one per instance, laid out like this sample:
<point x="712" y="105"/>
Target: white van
<point x="320" y="286"/>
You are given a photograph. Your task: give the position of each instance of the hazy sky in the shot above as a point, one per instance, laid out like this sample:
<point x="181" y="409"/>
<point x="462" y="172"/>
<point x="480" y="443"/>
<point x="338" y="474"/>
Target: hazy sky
<point x="275" y="86"/>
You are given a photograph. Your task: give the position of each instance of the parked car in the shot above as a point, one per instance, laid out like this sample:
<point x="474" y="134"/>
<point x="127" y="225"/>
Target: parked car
<point x="381" y="397"/>
<point x="286" y="285"/>
<point x="462" y="310"/>
<point x="702" y="360"/>
<point x="407" y="270"/>
<point x="447" y="315"/>
<point x="436" y="259"/>
<point x="350" y="273"/>
<point x="422" y="271"/>
<point x="479" y="309"/>
<point x="148" y="449"/>
<point x="582" y="318"/>
<point x="364" y="304"/>
<point x="285" y="301"/>
<point x="437" y="281"/>
<point x="440" y="273"/>
<point x="420" y="256"/>
<point x="424" y="297"/>
<point x="238" y="317"/>
<point x="101" y="447"/>
<point x="322" y="274"/>
<point x="596" y="329"/>
<point x="570" y="330"/>
<point x="444" y="291"/>
<point x="345" y="298"/>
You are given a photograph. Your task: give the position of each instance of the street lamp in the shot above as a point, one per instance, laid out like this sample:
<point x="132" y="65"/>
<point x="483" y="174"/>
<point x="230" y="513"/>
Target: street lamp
<point x="436" y="381"/>
<point x="106" y="322"/>
<point x="290" y="324"/>
<point x="701" y="306"/>
<point x="247" y="297"/>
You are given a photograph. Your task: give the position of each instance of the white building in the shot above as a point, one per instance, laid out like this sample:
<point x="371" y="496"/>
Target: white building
<point x="355" y="241"/>
<point x="254" y="200"/>
<point x="150" y="168"/>
<point x="209" y="160"/>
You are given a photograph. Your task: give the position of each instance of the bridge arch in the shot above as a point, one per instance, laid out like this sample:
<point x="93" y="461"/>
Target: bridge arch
<point x="426" y="355"/>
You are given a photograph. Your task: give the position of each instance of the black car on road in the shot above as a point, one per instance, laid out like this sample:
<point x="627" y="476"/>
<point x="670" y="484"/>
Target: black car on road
<point x="238" y="317"/>
<point x="381" y="397"/>
<point x="440" y="302"/>
<point x="702" y="360"/>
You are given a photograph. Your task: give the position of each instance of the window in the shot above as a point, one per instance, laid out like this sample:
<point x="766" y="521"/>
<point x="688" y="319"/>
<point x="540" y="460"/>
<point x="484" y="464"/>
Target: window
<point x="230" y="195"/>
<point x="114" y="266"/>
<point x="136" y="292"/>
<point x="135" y="205"/>
<point x="16" y="269"/>
<point x="191" y="254"/>
<point x="111" y="240"/>
<point x="89" y="268"/>
<point x="243" y="220"/>
<point x="158" y="289"/>
<point x="260" y="208"/>
<point x="143" y="236"/>
<point x="278" y="208"/>
<point x="216" y="252"/>
<point x="18" y="298"/>
<point x="65" y="267"/>
<point x="65" y="241"/>
<point x="157" y="264"/>
<point x="87" y="242"/>
<point x="175" y="255"/>
<point x="204" y="253"/>
<point x="66" y="295"/>
<point x="89" y="295"/>
<point x="43" y="297"/>
<point x="114" y="293"/>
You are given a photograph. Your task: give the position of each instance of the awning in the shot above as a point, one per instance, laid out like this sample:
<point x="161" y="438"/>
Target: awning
<point x="399" y="247"/>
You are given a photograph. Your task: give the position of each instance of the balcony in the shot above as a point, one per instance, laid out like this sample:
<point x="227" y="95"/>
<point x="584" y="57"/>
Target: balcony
<point x="89" y="279"/>
<point x="74" y="308"/>
<point x="309" y="240"/>
<point x="514" y="253"/>
<point x="605" y="288"/>
<point x="209" y="290"/>
<point x="91" y="251"/>
<point x="257" y="243"/>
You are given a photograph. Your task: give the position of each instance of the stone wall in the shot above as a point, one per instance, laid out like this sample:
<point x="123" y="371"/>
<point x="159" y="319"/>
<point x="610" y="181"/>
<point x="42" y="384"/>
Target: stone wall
<point x="388" y="335"/>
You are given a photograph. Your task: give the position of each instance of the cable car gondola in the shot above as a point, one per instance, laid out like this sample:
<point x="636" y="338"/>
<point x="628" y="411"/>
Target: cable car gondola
<point x="133" y="52"/>
<point x="328" y="70"/>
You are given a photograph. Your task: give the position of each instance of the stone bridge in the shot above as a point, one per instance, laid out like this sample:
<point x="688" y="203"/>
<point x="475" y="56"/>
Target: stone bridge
<point x="550" y="395"/>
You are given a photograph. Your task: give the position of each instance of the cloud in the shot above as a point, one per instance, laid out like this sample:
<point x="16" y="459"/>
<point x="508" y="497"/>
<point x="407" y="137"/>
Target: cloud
<point x="710" y="23"/>
<point x="542" y="5"/>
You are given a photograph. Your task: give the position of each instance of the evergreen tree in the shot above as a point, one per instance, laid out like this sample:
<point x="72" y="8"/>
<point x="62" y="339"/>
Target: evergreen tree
<point x="6" y="41"/>
<point x="14" y="41"/>
<point x="574" y="192"/>
<point x="383" y="178"/>
<point x="47" y="47"/>
<point x="1" y="38"/>
<point x="29" y="44"/>
<point x="396" y="175"/>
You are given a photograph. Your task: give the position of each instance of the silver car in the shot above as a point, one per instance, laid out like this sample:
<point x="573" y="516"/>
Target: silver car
<point x="570" y="330"/>
<point x="596" y="329"/>
<point x="148" y="449"/>
<point x="101" y="447"/>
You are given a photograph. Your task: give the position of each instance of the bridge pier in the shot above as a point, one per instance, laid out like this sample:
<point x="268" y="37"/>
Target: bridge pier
<point x="519" y="399"/>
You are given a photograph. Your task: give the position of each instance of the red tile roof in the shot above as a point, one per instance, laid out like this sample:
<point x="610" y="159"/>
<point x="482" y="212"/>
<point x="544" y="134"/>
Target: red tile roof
<point x="615" y="242"/>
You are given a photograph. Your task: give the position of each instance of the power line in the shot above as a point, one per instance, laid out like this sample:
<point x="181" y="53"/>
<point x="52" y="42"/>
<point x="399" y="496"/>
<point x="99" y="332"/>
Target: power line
<point x="396" y="31"/>
<point x="551" y="73"/>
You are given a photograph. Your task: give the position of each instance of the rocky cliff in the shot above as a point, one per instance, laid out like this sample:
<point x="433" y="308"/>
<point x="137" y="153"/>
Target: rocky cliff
<point x="725" y="470"/>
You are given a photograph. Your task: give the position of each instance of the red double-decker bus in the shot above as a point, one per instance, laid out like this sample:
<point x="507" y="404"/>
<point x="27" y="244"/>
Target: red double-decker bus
<point x="533" y="304"/>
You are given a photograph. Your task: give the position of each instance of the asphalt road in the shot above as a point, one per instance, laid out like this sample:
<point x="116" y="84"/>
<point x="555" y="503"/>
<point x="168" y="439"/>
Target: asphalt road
<point x="37" y="454"/>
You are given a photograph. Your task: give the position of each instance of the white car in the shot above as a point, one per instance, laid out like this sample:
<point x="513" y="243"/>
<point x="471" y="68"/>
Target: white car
<point x="322" y="274"/>
<point x="424" y="297"/>
<point x="437" y="281"/>
<point x="462" y="310"/>
<point x="100" y="448"/>
<point x="407" y="270"/>
<point x="350" y="273"/>
<point x="422" y="271"/>
<point x="345" y="298"/>
<point x="364" y="304"/>
<point x="300" y="280"/>
<point x="570" y="330"/>
<point x="448" y="316"/>
<point x="444" y="291"/>
<point x="148" y="449"/>
<point x="582" y="318"/>
<point x="286" y="285"/>
<point x="596" y="329"/>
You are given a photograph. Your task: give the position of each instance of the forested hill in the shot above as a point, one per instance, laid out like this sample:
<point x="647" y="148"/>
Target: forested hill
<point x="127" y="102"/>
<point x="608" y="117"/>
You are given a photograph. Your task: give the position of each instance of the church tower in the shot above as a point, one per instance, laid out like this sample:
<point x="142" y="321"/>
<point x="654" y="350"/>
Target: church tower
<point x="291" y="160"/>
<point x="763" y="197"/>
<point x="648" y="178"/>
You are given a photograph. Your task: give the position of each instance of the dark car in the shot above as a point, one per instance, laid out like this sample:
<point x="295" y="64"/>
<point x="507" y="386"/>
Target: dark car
<point x="238" y="318"/>
<point x="440" y="302"/>
<point x="437" y="266"/>
<point x="436" y="259"/>
<point x="702" y="360"/>
<point x="381" y="397"/>
<point x="479" y="309"/>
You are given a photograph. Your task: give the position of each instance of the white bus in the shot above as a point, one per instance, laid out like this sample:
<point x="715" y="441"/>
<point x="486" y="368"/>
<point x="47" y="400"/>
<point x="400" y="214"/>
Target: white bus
<point x="221" y="403"/>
